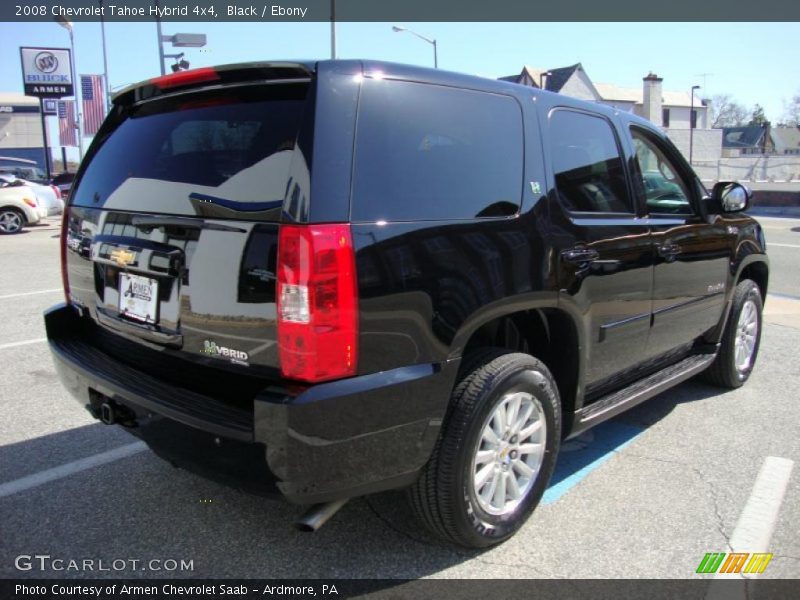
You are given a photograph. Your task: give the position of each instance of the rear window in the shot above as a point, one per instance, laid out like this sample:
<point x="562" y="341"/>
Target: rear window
<point x="590" y="176"/>
<point x="217" y="154"/>
<point x="432" y="152"/>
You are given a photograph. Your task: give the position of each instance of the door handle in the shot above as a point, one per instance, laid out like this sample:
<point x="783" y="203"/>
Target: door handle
<point x="579" y="256"/>
<point x="669" y="250"/>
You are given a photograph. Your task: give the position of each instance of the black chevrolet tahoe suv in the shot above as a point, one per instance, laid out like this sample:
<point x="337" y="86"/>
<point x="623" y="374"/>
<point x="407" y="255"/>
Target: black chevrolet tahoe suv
<point x="343" y="277"/>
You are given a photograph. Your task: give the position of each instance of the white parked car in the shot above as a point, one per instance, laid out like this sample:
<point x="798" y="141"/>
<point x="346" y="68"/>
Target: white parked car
<point x="47" y="196"/>
<point x="18" y="207"/>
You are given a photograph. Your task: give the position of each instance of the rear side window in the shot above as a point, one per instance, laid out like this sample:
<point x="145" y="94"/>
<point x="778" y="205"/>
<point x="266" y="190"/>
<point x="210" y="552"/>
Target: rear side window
<point x="588" y="167"/>
<point x="216" y="154"/>
<point x="426" y="152"/>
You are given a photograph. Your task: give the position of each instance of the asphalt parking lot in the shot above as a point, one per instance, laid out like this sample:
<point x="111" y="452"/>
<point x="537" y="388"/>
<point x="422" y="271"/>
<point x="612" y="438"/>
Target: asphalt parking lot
<point x="643" y="496"/>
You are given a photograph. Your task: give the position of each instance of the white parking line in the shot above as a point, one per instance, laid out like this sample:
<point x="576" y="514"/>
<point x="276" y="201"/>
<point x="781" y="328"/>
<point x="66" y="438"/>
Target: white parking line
<point x="30" y="293"/>
<point x="755" y="526"/>
<point x="42" y="477"/>
<point x="23" y="343"/>
<point x="757" y="521"/>
<point x="783" y="245"/>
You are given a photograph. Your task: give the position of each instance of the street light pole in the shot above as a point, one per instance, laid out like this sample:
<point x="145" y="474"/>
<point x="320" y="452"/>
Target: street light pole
<point x="47" y="169"/>
<point x="76" y="83"/>
<point x="178" y="40"/>
<point x="397" y="29"/>
<point x="160" y="43"/>
<point x="333" y="29"/>
<point x="692" y="122"/>
<point x="105" y="60"/>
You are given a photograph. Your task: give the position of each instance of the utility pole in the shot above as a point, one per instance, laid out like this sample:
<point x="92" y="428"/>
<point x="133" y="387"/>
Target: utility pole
<point x="705" y="76"/>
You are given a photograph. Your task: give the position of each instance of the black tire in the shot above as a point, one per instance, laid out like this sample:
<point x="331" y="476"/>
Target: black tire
<point x="10" y="211"/>
<point x="443" y="498"/>
<point x="723" y="371"/>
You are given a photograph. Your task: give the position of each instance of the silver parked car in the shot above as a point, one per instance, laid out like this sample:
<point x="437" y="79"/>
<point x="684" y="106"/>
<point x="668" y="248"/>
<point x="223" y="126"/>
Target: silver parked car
<point x="48" y="196"/>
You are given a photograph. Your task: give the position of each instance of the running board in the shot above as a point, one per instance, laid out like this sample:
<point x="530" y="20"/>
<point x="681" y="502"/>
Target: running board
<point x="639" y="391"/>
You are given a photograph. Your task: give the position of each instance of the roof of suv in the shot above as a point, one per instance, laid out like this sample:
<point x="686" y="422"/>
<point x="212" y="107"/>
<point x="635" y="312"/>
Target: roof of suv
<point x="294" y="70"/>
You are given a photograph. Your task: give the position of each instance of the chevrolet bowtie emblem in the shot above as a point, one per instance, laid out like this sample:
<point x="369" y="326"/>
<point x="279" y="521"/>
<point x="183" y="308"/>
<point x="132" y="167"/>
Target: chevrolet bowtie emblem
<point x="122" y="257"/>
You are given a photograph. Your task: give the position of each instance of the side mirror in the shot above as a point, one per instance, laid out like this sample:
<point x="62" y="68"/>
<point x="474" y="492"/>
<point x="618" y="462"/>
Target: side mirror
<point x="731" y="197"/>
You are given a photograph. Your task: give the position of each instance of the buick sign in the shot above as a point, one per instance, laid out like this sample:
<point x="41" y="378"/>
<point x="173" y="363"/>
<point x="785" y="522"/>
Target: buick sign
<point x="46" y="62"/>
<point x="47" y="72"/>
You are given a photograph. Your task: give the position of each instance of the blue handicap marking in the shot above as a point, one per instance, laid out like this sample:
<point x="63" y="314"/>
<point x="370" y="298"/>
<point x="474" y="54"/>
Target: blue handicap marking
<point x="580" y="456"/>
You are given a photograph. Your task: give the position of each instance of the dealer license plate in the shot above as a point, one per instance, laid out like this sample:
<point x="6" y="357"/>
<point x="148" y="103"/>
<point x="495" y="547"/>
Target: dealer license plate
<point x="138" y="297"/>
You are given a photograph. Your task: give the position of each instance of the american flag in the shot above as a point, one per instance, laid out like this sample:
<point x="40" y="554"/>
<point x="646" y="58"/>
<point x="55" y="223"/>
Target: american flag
<point x="66" y="123"/>
<point x="94" y="106"/>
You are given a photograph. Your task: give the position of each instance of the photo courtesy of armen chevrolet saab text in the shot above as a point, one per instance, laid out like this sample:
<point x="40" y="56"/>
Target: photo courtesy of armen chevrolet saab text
<point x="335" y="278"/>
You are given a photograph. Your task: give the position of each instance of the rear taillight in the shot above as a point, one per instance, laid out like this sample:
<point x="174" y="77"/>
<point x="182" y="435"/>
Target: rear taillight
<point x="63" y="240"/>
<point x="30" y="201"/>
<point x="56" y="191"/>
<point x="317" y="302"/>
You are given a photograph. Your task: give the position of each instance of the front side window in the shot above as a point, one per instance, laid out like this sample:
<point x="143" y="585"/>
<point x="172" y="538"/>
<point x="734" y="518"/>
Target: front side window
<point x="433" y="152"/>
<point x="664" y="190"/>
<point x="589" y="171"/>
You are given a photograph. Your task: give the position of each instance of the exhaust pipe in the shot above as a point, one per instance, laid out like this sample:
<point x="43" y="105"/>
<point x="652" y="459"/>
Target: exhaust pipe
<point x="316" y="516"/>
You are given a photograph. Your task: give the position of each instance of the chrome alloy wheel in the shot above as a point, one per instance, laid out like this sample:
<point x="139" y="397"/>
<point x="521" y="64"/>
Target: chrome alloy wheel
<point x="509" y="453"/>
<point x="746" y="335"/>
<point x="10" y="222"/>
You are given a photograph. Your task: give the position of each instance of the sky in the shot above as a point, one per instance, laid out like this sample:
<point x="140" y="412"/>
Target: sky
<point x="753" y="62"/>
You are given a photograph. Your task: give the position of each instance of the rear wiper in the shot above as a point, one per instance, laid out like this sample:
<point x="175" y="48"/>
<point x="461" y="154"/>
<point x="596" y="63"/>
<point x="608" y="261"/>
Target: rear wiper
<point x="186" y="222"/>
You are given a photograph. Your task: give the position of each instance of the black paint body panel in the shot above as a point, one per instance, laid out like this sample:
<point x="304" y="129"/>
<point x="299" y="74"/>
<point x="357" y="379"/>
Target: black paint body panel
<point x="425" y="287"/>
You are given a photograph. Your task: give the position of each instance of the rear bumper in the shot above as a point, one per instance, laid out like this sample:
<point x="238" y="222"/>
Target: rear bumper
<point x="335" y="440"/>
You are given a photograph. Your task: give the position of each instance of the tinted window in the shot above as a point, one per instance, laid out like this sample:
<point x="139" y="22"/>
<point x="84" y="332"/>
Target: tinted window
<point x="431" y="152"/>
<point x="664" y="191"/>
<point x="587" y="164"/>
<point x="256" y="272"/>
<point x="214" y="154"/>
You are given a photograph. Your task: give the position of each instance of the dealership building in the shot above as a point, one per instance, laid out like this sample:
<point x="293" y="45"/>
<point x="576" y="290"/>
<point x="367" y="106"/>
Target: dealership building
<point x="21" y="127"/>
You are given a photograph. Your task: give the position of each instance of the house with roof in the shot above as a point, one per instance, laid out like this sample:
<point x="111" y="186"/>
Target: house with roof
<point x="785" y="140"/>
<point x="676" y="107"/>
<point x="760" y="139"/>
<point x="675" y="111"/>
<point x="749" y="139"/>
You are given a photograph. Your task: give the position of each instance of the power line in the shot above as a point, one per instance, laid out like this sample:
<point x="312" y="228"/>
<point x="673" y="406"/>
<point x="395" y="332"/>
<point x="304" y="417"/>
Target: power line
<point x="705" y="77"/>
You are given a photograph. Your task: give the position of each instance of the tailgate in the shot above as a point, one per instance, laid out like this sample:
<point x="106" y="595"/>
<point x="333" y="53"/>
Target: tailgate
<point x="173" y="224"/>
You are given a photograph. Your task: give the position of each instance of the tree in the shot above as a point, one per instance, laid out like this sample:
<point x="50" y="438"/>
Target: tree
<point x="726" y="112"/>
<point x="757" y="117"/>
<point x="791" y="112"/>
